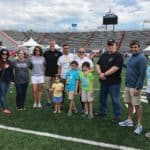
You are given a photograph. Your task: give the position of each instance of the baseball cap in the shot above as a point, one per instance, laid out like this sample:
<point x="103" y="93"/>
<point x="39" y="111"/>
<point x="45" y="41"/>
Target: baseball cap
<point x="111" y="41"/>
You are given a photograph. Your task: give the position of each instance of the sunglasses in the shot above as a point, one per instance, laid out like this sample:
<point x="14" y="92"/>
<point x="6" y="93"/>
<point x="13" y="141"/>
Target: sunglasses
<point x="110" y="44"/>
<point x="133" y="47"/>
<point x="81" y="52"/>
<point x="4" y="53"/>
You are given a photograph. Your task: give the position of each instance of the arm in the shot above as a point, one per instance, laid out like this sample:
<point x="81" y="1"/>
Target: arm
<point x="101" y="74"/>
<point x="111" y="71"/>
<point x="59" y="70"/>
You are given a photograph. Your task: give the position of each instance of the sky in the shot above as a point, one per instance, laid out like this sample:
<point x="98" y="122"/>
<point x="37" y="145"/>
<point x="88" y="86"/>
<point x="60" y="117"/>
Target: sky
<point x="59" y="15"/>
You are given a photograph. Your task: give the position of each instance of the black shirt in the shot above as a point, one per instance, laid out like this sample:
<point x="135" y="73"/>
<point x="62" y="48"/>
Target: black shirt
<point x="106" y="61"/>
<point x="7" y="75"/>
<point x="51" y="58"/>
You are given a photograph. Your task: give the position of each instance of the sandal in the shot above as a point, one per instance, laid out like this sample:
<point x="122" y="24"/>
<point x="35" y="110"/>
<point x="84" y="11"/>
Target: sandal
<point x="6" y="111"/>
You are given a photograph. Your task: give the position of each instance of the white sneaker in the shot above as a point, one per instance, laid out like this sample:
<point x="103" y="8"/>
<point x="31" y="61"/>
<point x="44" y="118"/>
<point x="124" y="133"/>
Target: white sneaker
<point x="138" y="129"/>
<point x="39" y="105"/>
<point x="126" y="123"/>
<point x="34" y="105"/>
<point x="147" y="135"/>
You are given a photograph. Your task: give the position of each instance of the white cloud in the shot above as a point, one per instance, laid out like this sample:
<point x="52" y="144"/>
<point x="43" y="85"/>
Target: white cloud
<point x="58" y="15"/>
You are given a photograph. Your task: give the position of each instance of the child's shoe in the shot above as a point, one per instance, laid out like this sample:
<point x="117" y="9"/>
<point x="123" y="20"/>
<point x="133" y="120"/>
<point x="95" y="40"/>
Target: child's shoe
<point x="69" y="114"/>
<point x="39" y="105"/>
<point x="35" y="105"/>
<point x="90" y="116"/>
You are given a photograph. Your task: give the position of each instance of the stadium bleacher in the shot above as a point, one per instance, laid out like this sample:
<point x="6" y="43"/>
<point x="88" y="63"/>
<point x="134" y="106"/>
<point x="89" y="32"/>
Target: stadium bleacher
<point x="90" y="40"/>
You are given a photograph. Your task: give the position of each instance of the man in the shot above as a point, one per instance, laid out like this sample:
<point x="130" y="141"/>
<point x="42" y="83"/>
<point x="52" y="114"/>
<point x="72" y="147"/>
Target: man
<point x="64" y="63"/>
<point x="51" y="68"/>
<point x="135" y="73"/>
<point x="109" y="68"/>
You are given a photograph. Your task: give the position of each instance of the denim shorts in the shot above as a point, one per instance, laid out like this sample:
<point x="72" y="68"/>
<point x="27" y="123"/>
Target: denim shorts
<point x="57" y="99"/>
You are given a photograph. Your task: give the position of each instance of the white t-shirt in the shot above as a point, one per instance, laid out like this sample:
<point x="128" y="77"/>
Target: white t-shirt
<point x="64" y="62"/>
<point x="85" y="59"/>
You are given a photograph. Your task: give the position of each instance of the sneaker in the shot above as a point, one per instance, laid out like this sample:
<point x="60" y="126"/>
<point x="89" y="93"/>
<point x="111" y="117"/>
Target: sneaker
<point x="75" y="111"/>
<point x="100" y="114"/>
<point x="147" y="135"/>
<point x="126" y="123"/>
<point x="84" y="115"/>
<point x="82" y="110"/>
<point x="59" y="111"/>
<point x="6" y="112"/>
<point x="34" y="105"/>
<point x="116" y="121"/>
<point x="90" y="116"/>
<point x="69" y="114"/>
<point x="39" y="105"/>
<point x="54" y="112"/>
<point x="49" y="105"/>
<point x="138" y="129"/>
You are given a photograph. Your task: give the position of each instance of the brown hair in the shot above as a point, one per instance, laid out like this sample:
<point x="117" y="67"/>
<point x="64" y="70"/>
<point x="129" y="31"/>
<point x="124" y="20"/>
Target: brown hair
<point x="40" y="48"/>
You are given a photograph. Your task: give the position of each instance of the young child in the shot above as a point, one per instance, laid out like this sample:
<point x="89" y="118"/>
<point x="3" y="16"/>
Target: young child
<point x="87" y="85"/>
<point x="57" y="88"/>
<point x="72" y="77"/>
<point x="148" y="84"/>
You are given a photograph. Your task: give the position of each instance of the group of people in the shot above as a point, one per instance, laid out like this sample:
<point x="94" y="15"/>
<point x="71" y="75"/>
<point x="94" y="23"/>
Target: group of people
<point x="65" y="73"/>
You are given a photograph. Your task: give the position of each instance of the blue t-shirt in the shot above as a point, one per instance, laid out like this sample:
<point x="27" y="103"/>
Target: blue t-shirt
<point x="71" y="77"/>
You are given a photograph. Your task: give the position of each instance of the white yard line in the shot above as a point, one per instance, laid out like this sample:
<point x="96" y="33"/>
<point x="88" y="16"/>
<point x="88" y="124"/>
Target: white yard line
<point x="71" y="139"/>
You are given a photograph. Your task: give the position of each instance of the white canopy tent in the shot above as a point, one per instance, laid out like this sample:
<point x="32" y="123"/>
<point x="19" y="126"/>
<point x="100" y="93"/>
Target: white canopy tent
<point x="146" y="51"/>
<point x="30" y="43"/>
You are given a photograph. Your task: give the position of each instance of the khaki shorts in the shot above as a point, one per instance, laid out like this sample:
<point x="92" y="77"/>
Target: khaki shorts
<point x="71" y="95"/>
<point x="86" y="96"/>
<point x="130" y="98"/>
<point x="48" y="82"/>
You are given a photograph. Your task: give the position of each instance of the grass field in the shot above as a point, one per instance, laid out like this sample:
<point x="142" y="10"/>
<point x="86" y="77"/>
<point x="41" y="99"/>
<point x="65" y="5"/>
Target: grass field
<point x="98" y="129"/>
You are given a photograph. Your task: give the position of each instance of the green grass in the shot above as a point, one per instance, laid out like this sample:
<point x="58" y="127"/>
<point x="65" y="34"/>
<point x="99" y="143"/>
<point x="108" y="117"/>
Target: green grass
<point x="44" y="120"/>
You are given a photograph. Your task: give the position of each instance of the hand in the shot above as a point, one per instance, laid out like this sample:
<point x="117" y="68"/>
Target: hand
<point x="91" y="92"/>
<point x="136" y="92"/>
<point x="102" y="76"/>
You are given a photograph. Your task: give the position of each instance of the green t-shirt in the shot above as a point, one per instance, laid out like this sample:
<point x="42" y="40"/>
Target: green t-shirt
<point x="86" y="81"/>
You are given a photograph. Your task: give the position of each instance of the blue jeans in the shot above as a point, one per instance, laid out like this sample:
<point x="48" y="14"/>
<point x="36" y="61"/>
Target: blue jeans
<point x="3" y="92"/>
<point x="114" y="91"/>
<point x="21" y="90"/>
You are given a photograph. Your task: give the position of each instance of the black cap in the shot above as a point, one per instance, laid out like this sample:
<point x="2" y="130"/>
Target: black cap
<point x="111" y="41"/>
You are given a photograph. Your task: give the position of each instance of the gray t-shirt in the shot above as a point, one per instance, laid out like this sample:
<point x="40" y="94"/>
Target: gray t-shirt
<point x="21" y="71"/>
<point x="38" y="63"/>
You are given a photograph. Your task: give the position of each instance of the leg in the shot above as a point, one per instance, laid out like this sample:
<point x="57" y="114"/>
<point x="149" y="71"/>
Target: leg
<point x="59" y="107"/>
<point x="55" y="111"/>
<point x="90" y="108"/>
<point x="86" y="107"/>
<point x="35" y="94"/>
<point x="3" y="91"/>
<point x="130" y="112"/>
<point x="114" y="91"/>
<point x="18" y="95"/>
<point x="48" y="83"/>
<point x="103" y="98"/>
<point x="70" y="105"/>
<point x="139" y="114"/>
<point x="39" y="95"/>
<point x="24" y="92"/>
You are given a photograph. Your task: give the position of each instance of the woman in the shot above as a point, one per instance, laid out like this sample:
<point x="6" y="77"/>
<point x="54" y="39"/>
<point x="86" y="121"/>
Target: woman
<point x="21" y="66"/>
<point x="37" y="78"/>
<point x="6" y="75"/>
